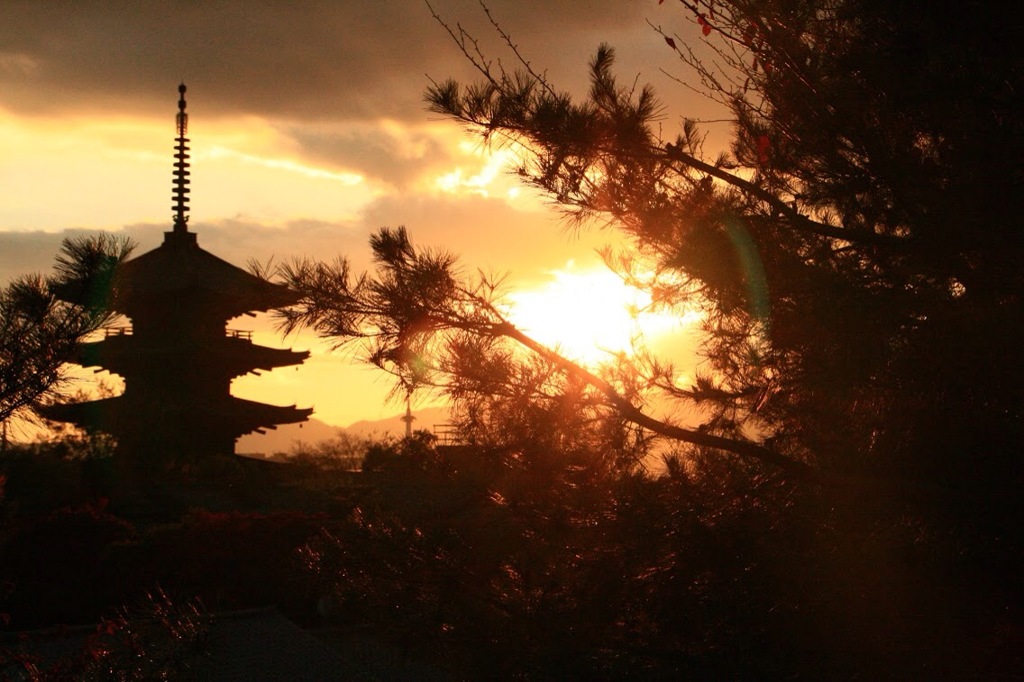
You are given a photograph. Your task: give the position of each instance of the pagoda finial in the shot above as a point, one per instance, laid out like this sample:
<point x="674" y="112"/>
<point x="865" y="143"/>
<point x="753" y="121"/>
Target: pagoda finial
<point x="181" y="181"/>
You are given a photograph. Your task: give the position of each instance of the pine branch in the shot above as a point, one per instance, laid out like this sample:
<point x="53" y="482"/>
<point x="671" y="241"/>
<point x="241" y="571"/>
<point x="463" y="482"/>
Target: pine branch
<point x="637" y="416"/>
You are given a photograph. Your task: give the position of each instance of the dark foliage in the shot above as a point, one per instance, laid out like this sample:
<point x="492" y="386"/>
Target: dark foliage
<point x="57" y="563"/>
<point x="158" y="639"/>
<point x="74" y="564"/>
<point x="492" y="562"/>
<point x="523" y="558"/>
<point x="42" y="320"/>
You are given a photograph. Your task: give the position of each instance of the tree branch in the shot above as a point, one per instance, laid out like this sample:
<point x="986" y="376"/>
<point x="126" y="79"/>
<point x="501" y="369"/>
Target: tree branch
<point x="633" y="414"/>
<point x="798" y="220"/>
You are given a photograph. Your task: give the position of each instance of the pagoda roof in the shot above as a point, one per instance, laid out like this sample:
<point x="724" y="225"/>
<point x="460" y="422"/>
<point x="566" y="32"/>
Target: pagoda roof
<point x="238" y="355"/>
<point x="179" y="265"/>
<point x="118" y="414"/>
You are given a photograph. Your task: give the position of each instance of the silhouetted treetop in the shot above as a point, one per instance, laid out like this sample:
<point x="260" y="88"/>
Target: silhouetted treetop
<point x="42" y="320"/>
<point x="855" y="247"/>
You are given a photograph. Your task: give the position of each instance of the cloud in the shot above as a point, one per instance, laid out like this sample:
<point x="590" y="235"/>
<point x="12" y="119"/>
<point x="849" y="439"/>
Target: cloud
<point x="485" y="233"/>
<point x="22" y="253"/>
<point x="17" y="64"/>
<point x="237" y="241"/>
<point x="488" y="234"/>
<point x="393" y="155"/>
<point x="307" y="61"/>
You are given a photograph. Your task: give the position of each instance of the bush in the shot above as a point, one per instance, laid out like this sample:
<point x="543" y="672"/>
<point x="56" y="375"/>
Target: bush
<point x="58" y="565"/>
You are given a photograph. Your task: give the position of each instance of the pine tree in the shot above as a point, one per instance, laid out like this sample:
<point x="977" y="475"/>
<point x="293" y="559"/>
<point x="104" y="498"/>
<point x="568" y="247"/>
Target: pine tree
<point x="856" y="249"/>
<point x="42" y="319"/>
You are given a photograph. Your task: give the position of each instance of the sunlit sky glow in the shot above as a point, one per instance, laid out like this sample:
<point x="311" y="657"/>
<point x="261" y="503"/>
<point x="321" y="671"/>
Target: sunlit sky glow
<point x="590" y="316"/>
<point x="308" y="132"/>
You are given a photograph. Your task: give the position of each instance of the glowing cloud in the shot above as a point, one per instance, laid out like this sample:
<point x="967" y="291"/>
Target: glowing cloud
<point x="482" y="181"/>
<point x="348" y="179"/>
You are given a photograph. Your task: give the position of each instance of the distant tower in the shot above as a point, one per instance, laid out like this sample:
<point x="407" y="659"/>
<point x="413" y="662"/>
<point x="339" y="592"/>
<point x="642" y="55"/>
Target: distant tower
<point x="408" y="418"/>
<point x="178" y="357"/>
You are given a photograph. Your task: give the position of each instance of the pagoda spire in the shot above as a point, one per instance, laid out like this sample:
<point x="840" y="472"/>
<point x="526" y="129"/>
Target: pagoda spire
<point x="181" y="181"/>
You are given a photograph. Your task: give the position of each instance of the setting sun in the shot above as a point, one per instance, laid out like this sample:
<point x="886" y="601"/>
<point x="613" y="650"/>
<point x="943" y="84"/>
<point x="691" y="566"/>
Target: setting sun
<point x="589" y="315"/>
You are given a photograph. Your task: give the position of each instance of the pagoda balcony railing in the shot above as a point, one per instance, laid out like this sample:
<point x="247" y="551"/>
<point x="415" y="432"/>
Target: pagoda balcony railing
<point x="123" y="330"/>
<point x="126" y="330"/>
<point x="447" y="434"/>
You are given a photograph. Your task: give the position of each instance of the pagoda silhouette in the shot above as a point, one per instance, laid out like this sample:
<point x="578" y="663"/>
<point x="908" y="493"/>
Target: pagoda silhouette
<point x="178" y="357"/>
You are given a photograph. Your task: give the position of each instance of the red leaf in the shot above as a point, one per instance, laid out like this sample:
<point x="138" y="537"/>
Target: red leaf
<point x="671" y="43"/>
<point x="707" y="28"/>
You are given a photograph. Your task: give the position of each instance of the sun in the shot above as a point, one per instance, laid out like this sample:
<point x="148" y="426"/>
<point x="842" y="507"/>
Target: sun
<point x="589" y="316"/>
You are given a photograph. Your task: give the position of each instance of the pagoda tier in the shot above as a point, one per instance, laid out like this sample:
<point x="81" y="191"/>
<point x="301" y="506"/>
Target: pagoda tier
<point x="180" y="278"/>
<point x="231" y="356"/>
<point x="208" y="427"/>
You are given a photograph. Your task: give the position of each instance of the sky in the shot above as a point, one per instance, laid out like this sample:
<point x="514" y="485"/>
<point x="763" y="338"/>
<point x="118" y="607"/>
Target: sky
<point x="308" y="132"/>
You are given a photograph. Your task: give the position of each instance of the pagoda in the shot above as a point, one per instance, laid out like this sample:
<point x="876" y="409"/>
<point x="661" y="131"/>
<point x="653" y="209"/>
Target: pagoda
<point x="178" y="357"/>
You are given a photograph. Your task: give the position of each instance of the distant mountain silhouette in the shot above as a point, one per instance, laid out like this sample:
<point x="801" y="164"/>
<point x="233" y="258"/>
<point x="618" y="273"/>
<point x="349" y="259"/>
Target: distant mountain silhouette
<point x="426" y="419"/>
<point x="284" y="438"/>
